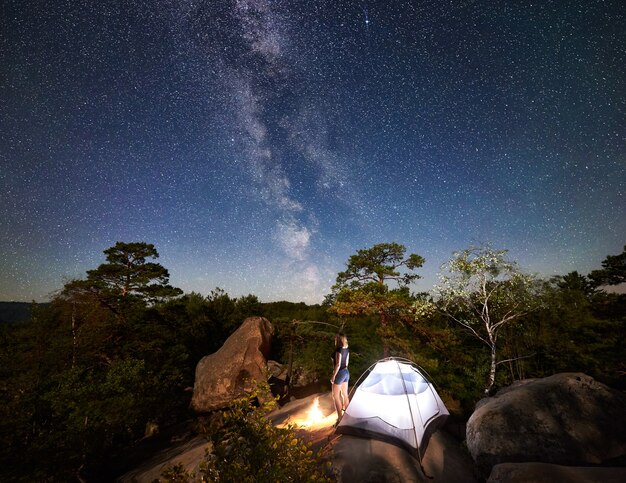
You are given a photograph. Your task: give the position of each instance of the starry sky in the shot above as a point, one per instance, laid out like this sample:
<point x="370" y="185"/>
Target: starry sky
<point x="258" y="144"/>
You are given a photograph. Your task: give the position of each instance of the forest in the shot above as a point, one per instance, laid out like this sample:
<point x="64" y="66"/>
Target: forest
<point x="87" y="375"/>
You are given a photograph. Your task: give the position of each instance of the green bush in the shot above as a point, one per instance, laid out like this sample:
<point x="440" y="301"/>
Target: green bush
<point x="175" y="474"/>
<point x="248" y="448"/>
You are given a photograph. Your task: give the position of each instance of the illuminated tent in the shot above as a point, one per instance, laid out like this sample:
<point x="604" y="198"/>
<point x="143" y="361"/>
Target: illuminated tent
<point x="395" y="403"/>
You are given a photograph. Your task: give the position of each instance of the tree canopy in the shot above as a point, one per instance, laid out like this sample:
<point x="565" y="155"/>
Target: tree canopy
<point x="574" y="281"/>
<point x="126" y="277"/>
<point x="613" y="271"/>
<point x="481" y="290"/>
<point x="376" y="281"/>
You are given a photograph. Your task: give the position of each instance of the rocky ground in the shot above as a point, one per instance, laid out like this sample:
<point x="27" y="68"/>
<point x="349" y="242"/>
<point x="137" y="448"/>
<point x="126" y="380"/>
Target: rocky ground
<point x="369" y="460"/>
<point x="353" y="459"/>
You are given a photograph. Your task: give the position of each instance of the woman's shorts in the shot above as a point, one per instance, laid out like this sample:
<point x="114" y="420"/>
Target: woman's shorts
<point x="342" y="376"/>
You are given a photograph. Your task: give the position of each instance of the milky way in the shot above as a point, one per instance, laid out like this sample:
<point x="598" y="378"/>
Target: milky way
<point x="258" y="144"/>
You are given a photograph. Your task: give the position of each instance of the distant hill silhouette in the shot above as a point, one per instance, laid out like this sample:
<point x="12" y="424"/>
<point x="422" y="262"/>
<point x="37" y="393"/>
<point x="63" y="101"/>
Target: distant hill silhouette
<point x="14" y="312"/>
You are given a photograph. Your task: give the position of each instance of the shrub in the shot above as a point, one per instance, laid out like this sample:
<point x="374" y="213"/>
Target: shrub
<point x="248" y="448"/>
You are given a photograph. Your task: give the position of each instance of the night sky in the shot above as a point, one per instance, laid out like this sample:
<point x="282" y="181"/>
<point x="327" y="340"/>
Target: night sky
<point x="258" y="144"/>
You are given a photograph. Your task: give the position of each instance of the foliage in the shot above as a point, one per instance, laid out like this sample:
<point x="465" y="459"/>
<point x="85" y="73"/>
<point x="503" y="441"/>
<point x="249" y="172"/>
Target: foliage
<point x="280" y="312"/>
<point x="310" y="345"/>
<point x="204" y="323"/>
<point x="12" y="312"/>
<point x="572" y="332"/>
<point x="80" y="382"/>
<point x="452" y="357"/>
<point x="127" y="273"/>
<point x="379" y="265"/>
<point x="574" y="283"/>
<point x="248" y="448"/>
<point x="613" y="270"/>
<point x="483" y="292"/>
<point x="89" y="371"/>
<point x="94" y="411"/>
<point x="373" y="284"/>
<point x="126" y="280"/>
<point x="67" y="413"/>
<point x="609" y="306"/>
<point x="176" y="474"/>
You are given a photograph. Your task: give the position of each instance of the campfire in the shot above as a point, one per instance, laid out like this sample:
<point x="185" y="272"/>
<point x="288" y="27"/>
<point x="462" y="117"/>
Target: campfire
<point x="311" y="418"/>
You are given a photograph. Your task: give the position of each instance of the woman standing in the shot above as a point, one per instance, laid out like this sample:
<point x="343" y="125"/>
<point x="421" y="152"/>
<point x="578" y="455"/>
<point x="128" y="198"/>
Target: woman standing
<point x="341" y="376"/>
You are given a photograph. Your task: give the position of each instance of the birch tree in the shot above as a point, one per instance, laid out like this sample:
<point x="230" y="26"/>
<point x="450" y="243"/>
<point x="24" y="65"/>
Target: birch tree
<point x="483" y="291"/>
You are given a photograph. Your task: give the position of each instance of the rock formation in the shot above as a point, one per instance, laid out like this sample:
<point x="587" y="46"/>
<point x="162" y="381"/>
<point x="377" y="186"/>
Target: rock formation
<point x="545" y="473"/>
<point x="235" y="368"/>
<point x="567" y="419"/>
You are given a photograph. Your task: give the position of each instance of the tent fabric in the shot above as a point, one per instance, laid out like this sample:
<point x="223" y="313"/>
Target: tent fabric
<point x="396" y="403"/>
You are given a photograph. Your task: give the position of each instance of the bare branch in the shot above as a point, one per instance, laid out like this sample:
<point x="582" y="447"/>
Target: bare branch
<point x="515" y="359"/>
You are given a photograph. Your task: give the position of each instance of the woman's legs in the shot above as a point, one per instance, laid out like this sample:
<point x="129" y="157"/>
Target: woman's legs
<point x="337" y="398"/>
<point x="344" y="394"/>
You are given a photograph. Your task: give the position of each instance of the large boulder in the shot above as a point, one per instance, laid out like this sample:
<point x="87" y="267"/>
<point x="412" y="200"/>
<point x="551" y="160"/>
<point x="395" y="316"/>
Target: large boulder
<point x="567" y="419"/>
<point x="546" y="473"/>
<point x="236" y="368"/>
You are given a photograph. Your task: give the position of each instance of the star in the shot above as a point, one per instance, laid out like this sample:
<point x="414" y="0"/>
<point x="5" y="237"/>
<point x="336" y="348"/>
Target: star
<point x="259" y="144"/>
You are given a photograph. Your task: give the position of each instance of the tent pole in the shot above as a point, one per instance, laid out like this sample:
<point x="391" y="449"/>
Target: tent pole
<point x="417" y="443"/>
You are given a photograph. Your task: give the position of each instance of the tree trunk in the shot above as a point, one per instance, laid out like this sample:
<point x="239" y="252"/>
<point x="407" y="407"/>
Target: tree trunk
<point x="383" y="325"/>
<point x="74" y="337"/>
<point x="492" y="370"/>
<point x="292" y="329"/>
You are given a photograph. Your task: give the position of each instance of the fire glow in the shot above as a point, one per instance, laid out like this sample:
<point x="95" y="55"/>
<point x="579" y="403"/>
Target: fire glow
<point x="313" y="418"/>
